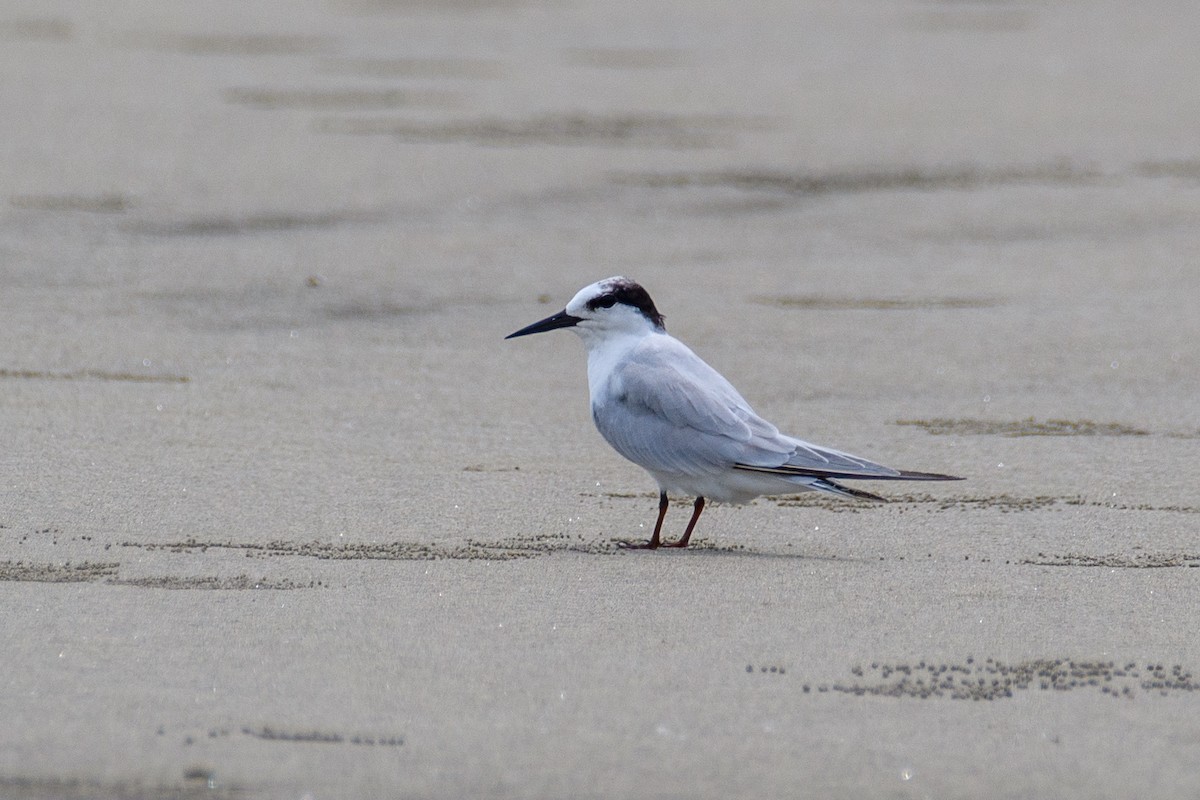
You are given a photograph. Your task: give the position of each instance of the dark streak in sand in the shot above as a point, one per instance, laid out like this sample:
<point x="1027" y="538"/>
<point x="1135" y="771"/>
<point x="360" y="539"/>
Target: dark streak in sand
<point x="334" y="99"/>
<point x="811" y="184"/>
<point x="237" y="44"/>
<point x="639" y="130"/>
<point x="81" y="572"/>
<point x="89" y="374"/>
<point x="994" y="679"/>
<point x="253" y="223"/>
<point x="270" y="734"/>
<point x="826" y="303"/>
<point x="1024" y="427"/>
<point x="195" y="787"/>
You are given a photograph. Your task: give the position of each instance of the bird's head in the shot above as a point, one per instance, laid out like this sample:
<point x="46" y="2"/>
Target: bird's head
<point x="606" y="308"/>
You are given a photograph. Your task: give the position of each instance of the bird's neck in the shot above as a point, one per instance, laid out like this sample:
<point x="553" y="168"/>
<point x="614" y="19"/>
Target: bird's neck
<point x="607" y="354"/>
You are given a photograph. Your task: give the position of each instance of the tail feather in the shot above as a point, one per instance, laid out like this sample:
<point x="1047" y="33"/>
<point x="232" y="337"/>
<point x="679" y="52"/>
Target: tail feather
<point x="910" y="475"/>
<point x="810" y="472"/>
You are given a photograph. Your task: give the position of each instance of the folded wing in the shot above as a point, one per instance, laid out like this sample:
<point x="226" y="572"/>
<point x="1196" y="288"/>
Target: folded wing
<point x="672" y="412"/>
<point x="669" y="411"/>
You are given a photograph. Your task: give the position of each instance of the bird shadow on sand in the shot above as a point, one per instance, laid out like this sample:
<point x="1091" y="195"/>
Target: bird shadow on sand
<point x="518" y="547"/>
<point x="701" y="549"/>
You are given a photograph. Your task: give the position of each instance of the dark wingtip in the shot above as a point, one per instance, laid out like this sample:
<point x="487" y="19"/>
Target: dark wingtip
<point x="909" y="475"/>
<point x="817" y="472"/>
<point x="826" y="485"/>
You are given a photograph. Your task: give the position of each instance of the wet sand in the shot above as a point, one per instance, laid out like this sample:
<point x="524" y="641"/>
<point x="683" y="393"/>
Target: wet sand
<point x="284" y="516"/>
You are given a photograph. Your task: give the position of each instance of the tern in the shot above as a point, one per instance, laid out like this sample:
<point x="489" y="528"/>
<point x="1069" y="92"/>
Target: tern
<point x="663" y="408"/>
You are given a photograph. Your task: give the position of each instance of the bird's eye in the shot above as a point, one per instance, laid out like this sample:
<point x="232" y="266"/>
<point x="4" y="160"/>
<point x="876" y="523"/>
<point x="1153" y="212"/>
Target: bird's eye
<point x="608" y="301"/>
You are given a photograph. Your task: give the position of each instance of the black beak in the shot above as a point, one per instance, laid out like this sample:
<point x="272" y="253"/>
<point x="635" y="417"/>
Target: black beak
<point x="560" y="320"/>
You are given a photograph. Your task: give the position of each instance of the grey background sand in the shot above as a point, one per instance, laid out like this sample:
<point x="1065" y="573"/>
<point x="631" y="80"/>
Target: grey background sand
<point x="283" y="516"/>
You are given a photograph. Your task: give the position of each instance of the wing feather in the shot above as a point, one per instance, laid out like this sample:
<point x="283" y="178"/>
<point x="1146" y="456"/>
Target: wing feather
<point x="667" y="410"/>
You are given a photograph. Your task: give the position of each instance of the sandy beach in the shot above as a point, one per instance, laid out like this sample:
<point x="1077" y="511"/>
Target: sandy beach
<point x="282" y="515"/>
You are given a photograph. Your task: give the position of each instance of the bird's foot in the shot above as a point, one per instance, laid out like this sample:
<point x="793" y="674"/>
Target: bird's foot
<point x="681" y="543"/>
<point x="649" y="544"/>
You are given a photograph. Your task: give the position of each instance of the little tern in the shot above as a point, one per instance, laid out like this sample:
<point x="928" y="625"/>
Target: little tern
<point x="663" y="408"/>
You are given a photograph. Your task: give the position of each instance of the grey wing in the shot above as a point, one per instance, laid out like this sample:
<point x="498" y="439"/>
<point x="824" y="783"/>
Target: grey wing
<point x="671" y="412"/>
<point x="676" y="384"/>
<point x="820" y="461"/>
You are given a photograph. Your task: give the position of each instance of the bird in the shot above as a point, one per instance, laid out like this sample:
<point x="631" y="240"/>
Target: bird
<point x="662" y="407"/>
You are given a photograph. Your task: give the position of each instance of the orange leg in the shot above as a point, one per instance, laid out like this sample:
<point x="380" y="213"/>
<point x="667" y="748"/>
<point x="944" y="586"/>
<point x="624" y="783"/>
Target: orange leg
<point x="691" y="525"/>
<point x="654" y="540"/>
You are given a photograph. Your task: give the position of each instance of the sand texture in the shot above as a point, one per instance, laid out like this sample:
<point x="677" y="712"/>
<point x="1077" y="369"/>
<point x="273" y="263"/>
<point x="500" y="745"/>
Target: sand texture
<point x="283" y="516"/>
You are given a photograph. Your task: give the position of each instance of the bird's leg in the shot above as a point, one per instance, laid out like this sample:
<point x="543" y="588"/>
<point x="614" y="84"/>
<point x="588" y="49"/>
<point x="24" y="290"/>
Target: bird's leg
<point x="691" y="525"/>
<point x="654" y="540"/>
